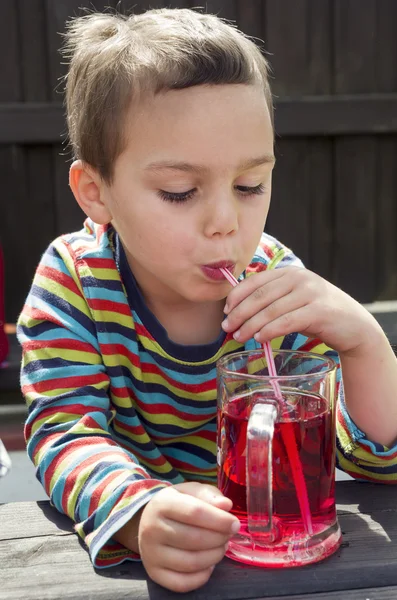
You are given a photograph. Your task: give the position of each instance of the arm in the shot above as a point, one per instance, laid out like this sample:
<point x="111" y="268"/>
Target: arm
<point x="370" y="383"/>
<point x="87" y="475"/>
<point x="280" y="301"/>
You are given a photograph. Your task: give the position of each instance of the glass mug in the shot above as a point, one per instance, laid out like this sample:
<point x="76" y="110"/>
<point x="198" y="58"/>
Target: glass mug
<point x="257" y="436"/>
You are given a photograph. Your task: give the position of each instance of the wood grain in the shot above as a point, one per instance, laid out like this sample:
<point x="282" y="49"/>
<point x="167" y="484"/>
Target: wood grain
<point x="41" y="558"/>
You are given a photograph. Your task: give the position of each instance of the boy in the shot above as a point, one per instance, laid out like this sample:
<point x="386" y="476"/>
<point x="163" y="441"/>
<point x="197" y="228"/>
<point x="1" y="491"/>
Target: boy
<point x="170" y="120"/>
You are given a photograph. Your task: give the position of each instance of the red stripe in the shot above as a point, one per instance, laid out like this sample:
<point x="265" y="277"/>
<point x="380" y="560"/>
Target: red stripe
<point x="266" y="249"/>
<point x="101" y="263"/>
<point x="60" y="343"/>
<point x="133" y="429"/>
<point x="73" y="476"/>
<point x="152" y="369"/>
<point x="143" y="332"/>
<point x="113" y="562"/>
<point x="310" y="344"/>
<point x="83" y="441"/>
<point x="109" y="305"/>
<point x="159" y="461"/>
<point x="65" y="382"/>
<point x="167" y="409"/>
<point x="184" y="466"/>
<point x="45" y="440"/>
<point x="40" y="315"/>
<point x="58" y="277"/>
<point x="73" y="409"/>
<point x="100" y="487"/>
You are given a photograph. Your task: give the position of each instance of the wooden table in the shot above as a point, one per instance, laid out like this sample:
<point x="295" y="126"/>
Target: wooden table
<point x="41" y="558"/>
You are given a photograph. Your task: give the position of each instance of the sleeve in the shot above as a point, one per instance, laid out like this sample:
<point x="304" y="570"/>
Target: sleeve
<point x="86" y="474"/>
<point x="355" y="453"/>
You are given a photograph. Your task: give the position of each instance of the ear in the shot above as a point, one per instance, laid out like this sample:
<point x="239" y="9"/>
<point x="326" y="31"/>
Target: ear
<point x="88" y="189"/>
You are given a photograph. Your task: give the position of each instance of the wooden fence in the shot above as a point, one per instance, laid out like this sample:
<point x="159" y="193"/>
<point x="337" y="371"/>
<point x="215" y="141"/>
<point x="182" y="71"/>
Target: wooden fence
<point x="335" y="81"/>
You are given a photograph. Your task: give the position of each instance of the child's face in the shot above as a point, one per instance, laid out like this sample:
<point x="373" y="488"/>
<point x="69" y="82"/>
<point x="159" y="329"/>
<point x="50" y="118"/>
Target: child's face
<point x="180" y="197"/>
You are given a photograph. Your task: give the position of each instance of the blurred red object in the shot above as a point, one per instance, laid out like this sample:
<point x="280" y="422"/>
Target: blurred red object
<point x="3" y="336"/>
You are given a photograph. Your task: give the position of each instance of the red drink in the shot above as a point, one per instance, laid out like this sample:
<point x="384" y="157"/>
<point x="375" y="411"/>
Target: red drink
<point x="310" y="418"/>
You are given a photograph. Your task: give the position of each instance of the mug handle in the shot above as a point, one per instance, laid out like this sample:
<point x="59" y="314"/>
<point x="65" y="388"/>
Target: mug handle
<point x="259" y="477"/>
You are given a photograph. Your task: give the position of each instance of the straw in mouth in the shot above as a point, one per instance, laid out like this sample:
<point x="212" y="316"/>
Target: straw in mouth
<point x="287" y="432"/>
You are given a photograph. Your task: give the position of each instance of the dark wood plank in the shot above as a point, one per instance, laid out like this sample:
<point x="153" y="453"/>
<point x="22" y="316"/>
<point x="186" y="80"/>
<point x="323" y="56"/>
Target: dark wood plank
<point x="31" y="123"/>
<point x="386" y="219"/>
<point x="69" y="217"/>
<point x="302" y="65"/>
<point x="10" y="80"/>
<point x="347" y="114"/>
<point x="10" y="157"/>
<point x="289" y="215"/>
<point x="226" y="9"/>
<point x="386" y="72"/>
<point x="356" y="174"/>
<point x="34" y="64"/>
<point x="32" y="546"/>
<point x="302" y="215"/>
<point x="379" y="593"/>
<point x="356" y="189"/>
<point x="23" y="234"/>
<point x="302" y="190"/>
<point x="314" y="116"/>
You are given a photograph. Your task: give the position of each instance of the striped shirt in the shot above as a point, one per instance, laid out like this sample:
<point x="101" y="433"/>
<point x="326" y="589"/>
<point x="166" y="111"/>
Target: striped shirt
<point x="117" y="410"/>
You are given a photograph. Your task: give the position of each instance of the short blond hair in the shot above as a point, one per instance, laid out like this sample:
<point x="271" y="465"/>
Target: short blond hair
<point x="116" y="59"/>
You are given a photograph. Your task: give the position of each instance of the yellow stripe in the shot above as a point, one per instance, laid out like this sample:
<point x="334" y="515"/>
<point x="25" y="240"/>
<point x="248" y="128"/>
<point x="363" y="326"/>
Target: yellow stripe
<point x="195" y="440"/>
<point x="202" y="472"/>
<point x="142" y="438"/>
<point x="153" y="346"/>
<point x="54" y="287"/>
<point x="158" y="419"/>
<point x="56" y="419"/>
<point x="351" y="467"/>
<point x="74" y="494"/>
<point x="111" y="316"/>
<point x="163" y="469"/>
<point x="112" y="486"/>
<point x="278" y="257"/>
<point x="63" y="251"/>
<point x="67" y="354"/>
<point x="100" y="273"/>
<point x="69" y="459"/>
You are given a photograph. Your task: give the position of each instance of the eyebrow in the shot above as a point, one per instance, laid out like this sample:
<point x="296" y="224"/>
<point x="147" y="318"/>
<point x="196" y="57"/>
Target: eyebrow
<point x="191" y="168"/>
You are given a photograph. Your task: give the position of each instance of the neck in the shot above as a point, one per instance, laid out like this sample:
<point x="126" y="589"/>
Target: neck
<point x="189" y="324"/>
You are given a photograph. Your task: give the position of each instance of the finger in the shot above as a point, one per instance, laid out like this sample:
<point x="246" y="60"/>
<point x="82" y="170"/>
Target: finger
<point x="207" y="493"/>
<point x="188" y="561"/>
<point x="193" y="511"/>
<point x="300" y="321"/>
<point x="261" y="297"/>
<point x="189" y="537"/>
<point x="284" y="305"/>
<point x="248" y="286"/>
<point x="180" y="582"/>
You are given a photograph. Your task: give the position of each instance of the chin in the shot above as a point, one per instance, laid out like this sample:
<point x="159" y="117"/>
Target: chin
<point x="209" y="294"/>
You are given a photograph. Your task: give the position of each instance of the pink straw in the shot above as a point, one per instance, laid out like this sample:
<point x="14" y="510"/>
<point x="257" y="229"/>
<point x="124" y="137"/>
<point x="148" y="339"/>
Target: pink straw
<point x="287" y="432"/>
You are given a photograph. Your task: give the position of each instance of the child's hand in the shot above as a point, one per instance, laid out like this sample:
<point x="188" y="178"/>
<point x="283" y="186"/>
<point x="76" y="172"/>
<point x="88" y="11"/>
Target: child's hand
<point x="183" y="533"/>
<point x="277" y="302"/>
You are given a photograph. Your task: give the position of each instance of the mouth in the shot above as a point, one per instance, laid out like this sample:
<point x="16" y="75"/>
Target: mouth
<point x="213" y="270"/>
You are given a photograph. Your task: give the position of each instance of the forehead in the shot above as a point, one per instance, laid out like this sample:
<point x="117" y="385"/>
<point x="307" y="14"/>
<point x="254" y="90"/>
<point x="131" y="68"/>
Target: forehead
<point x="229" y="123"/>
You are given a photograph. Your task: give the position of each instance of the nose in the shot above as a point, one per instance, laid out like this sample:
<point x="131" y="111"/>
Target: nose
<point x="221" y="215"/>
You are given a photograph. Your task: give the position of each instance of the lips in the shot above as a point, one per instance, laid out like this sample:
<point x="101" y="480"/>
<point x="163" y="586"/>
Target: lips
<point x="212" y="270"/>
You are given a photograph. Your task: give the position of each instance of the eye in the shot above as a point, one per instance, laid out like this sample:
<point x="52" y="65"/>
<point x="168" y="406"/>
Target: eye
<point x="246" y="190"/>
<point x="176" y="196"/>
